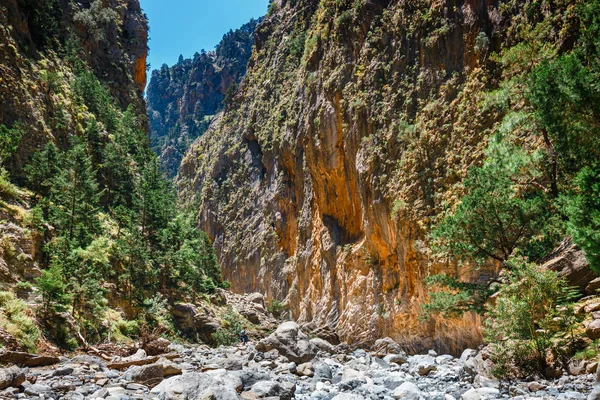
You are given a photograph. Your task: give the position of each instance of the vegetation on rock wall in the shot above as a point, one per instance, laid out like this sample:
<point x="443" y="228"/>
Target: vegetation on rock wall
<point x="100" y="224"/>
<point x="183" y="99"/>
<point x="373" y="144"/>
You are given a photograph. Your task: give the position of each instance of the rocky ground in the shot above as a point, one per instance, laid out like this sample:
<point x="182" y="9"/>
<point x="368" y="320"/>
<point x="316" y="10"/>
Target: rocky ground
<point x="285" y="365"/>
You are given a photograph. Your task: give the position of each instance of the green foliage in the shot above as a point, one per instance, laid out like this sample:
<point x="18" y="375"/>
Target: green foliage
<point x="297" y="45"/>
<point x="114" y="219"/>
<point x="9" y="141"/>
<point x="501" y="211"/>
<point x="531" y="311"/>
<point x="187" y="258"/>
<point x="231" y="326"/>
<point x="156" y="313"/>
<point x="43" y="169"/>
<point x="583" y="210"/>
<point x="45" y="23"/>
<point x="451" y="297"/>
<point x="53" y="288"/>
<point x="97" y="21"/>
<point x="17" y="319"/>
<point x="75" y="197"/>
<point x="7" y="189"/>
<point x="276" y="307"/>
<point x="97" y="99"/>
<point x="591" y="352"/>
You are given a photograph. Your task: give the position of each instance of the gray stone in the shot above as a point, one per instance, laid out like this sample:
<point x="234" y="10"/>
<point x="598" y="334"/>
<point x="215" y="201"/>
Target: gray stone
<point x="386" y="346"/>
<point x="323" y="345"/>
<point x="322" y="371"/>
<point x="148" y="375"/>
<point x="291" y="342"/>
<point x="11" y="377"/>
<point x="193" y="386"/>
<point x="232" y="364"/>
<point x="264" y="389"/>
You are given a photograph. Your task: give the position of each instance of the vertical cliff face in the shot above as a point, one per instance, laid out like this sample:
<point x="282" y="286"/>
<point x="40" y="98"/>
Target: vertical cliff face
<point x="350" y="134"/>
<point x="44" y="42"/>
<point x="183" y="99"/>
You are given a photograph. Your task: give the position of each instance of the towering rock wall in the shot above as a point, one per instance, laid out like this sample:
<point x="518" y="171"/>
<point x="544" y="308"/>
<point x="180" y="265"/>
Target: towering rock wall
<point x="43" y="43"/>
<point x="349" y="136"/>
<point x="183" y="99"/>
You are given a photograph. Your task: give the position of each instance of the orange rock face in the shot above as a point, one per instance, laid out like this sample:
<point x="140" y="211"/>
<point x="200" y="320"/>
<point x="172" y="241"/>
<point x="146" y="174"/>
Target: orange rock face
<point x="140" y="72"/>
<point x="320" y="183"/>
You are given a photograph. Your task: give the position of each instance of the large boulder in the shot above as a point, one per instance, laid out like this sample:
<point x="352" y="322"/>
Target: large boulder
<point x="282" y="390"/>
<point x="592" y="330"/>
<point x="195" y="322"/>
<point x="148" y="375"/>
<point x="157" y="347"/>
<point x="323" y="345"/>
<point x="386" y="346"/>
<point x="256" y="298"/>
<point x="569" y="262"/>
<point x="480" y="394"/>
<point x="291" y="342"/>
<point x="11" y="377"/>
<point x="408" y="391"/>
<point x="193" y="386"/>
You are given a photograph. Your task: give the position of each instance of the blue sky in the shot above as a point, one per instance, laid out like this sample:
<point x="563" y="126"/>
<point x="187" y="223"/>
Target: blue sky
<point x="187" y="26"/>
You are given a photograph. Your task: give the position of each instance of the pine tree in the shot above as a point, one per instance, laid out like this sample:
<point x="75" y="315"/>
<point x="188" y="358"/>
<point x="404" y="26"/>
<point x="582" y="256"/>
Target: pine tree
<point x="75" y="196"/>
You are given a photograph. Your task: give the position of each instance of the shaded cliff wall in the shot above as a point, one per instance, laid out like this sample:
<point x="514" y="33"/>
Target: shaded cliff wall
<point x="349" y="136"/>
<point x="42" y="43"/>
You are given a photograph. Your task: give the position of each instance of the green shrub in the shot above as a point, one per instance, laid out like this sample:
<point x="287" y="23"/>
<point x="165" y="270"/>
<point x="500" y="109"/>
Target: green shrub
<point x="231" y="326"/>
<point x="583" y="210"/>
<point x="9" y="141"/>
<point x="276" y="307"/>
<point x="451" y="297"/>
<point x="532" y="314"/>
<point x="7" y="189"/>
<point x="591" y="352"/>
<point x="16" y="319"/>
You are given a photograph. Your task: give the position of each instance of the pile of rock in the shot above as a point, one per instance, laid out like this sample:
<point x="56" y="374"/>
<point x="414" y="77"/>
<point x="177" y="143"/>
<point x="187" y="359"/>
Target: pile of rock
<point x="285" y="365"/>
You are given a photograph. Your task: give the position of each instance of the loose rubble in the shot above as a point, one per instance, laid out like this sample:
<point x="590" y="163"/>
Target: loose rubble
<point x="283" y="366"/>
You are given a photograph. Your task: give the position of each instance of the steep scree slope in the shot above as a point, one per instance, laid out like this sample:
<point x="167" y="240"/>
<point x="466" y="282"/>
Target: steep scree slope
<point x="355" y="122"/>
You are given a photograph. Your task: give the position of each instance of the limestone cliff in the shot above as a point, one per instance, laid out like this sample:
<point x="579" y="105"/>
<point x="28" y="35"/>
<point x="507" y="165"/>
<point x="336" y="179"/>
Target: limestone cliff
<point x="183" y="99"/>
<point x="350" y="134"/>
<point x="43" y="42"/>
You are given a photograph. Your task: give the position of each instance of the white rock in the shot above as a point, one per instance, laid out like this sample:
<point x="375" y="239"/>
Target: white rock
<point x="480" y="394"/>
<point x="408" y="391"/>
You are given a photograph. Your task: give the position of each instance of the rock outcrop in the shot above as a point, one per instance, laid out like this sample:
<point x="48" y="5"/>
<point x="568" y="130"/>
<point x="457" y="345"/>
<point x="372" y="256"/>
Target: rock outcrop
<point x="570" y="263"/>
<point x="183" y="99"/>
<point x="35" y="34"/>
<point x="290" y="342"/>
<point x="344" y="143"/>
